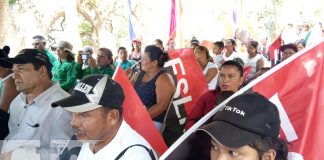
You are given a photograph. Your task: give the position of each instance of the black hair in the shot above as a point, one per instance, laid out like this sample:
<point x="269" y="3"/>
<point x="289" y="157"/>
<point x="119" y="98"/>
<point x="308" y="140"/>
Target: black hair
<point x="105" y="110"/>
<point x="254" y="44"/>
<point x="3" y="54"/>
<point x="48" y="68"/>
<point x="220" y="44"/>
<point x="121" y="48"/>
<point x="265" y="143"/>
<point x="39" y="37"/>
<point x="108" y="53"/>
<point x="6" y="49"/>
<point x="233" y="43"/>
<point x="155" y="53"/>
<point x="159" y="41"/>
<point x="233" y="63"/>
<point x="204" y="49"/>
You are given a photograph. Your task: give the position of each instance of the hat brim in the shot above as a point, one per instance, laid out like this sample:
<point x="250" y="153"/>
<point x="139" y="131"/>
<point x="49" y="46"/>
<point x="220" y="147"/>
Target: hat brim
<point x="228" y="135"/>
<point x="16" y="61"/>
<point x="76" y="104"/>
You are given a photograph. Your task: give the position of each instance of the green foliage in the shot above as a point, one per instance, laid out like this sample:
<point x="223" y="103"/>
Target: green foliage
<point x="85" y="33"/>
<point x="13" y="2"/>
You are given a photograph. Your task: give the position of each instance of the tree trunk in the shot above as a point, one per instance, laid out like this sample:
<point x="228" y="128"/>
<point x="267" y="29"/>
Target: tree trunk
<point x="3" y="21"/>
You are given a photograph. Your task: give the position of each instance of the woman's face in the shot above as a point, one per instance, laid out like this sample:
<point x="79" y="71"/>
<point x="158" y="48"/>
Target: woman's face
<point x="220" y="152"/>
<point x="251" y="49"/>
<point x="229" y="78"/>
<point x="201" y="56"/>
<point x="229" y="45"/>
<point x="147" y="63"/>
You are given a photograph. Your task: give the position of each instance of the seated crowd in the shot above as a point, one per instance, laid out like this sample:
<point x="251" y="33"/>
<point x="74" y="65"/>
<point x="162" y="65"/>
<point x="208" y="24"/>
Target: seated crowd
<point x="36" y="81"/>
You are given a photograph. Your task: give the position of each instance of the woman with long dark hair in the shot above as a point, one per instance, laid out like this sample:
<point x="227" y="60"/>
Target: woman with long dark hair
<point x="154" y="86"/>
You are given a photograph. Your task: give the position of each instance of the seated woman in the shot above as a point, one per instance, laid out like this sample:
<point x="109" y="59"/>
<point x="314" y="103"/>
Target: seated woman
<point x="153" y="85"/>
<point x="253" y="59"/>
<point x="209" y="69"/>
<point x="230" y="79"/>
<point x="251" y="132"/>
<point x="64" y="71"/>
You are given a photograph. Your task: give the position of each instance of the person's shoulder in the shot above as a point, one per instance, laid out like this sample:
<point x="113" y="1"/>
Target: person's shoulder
<point x="165" y="77"/>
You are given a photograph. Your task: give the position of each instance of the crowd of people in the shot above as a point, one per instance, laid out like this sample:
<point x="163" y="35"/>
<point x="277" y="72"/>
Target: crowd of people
<point x="48" y="96"/>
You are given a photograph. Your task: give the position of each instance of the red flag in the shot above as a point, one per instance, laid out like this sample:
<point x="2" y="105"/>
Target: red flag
<point x="297" y="89"/>
<point x="188" y="71"/>
<point x="136" y="115"/>
<point x="246" y="71"/>
<point x="274" y="46"/>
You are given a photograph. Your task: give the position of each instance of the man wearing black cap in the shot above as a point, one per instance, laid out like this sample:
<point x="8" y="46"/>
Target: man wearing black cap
<point x="33" y="123"/>
<point x="288" y="50"/>
<point x="246" y="128"/>
<point x="96" y="103"/>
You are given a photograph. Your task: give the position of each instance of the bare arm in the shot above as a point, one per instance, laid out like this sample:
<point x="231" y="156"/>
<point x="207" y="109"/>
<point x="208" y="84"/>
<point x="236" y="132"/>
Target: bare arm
<point x="165" y="88"/>
<point x="260" y="64"/>
<point x="9" y="92"/>
<point x="211" y="73"/>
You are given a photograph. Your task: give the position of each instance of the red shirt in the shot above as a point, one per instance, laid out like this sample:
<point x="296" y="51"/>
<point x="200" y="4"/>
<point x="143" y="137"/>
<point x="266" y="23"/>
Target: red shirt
<point x="204" y="104"/>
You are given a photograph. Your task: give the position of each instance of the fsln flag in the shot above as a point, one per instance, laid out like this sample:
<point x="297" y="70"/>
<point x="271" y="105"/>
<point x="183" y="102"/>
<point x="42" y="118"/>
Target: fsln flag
<point x="190" y="85"/>
<point x="136" y="115"/>
<point x="296" y="87"/>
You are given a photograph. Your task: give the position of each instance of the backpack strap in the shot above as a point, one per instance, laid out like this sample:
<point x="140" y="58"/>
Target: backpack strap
<point x="140" y="145"/>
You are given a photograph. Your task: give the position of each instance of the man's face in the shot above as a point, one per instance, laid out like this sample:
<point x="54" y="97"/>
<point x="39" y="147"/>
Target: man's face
<point x="94" y="125"/>
<point x="103" y="59"/>
<point x="27" y="79"/>
<point x="39" y="44"/>
<point x="230" y="78"/>
<point x="287" y="53"/>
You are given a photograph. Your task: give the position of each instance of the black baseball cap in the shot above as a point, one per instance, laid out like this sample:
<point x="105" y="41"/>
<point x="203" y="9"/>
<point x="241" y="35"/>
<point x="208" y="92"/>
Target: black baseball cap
<point x="244" y="119"/>
<point x="289" y="45"/>
<point x="92" y="92"/>
<point x="29" y="55"/>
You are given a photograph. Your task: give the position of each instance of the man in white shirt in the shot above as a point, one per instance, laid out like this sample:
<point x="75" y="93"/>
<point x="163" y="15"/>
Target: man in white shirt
<point x="33" y="124"/>
<point x="96" y="103"/>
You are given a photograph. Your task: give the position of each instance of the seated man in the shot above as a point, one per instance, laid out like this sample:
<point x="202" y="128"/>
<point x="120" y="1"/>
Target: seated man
<point x="246" y="128"/>
<point x="33" y="123"/>
<point x="96" y="103"/>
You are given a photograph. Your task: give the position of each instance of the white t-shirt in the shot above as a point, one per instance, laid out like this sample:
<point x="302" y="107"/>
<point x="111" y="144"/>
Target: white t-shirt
<point x="231" y="57"/>
<point x="124" y="138"/>
<point x="212" y="84"/>
<point x="251" y="62"/>
<point x="217" y="60"/>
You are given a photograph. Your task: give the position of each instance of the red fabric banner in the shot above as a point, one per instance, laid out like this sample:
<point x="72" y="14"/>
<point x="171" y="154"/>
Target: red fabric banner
<point x="136" y="115"/>
<point x="274" y="46"/>
<point x="297" y="89"/>
<point x="190" y="79"/>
